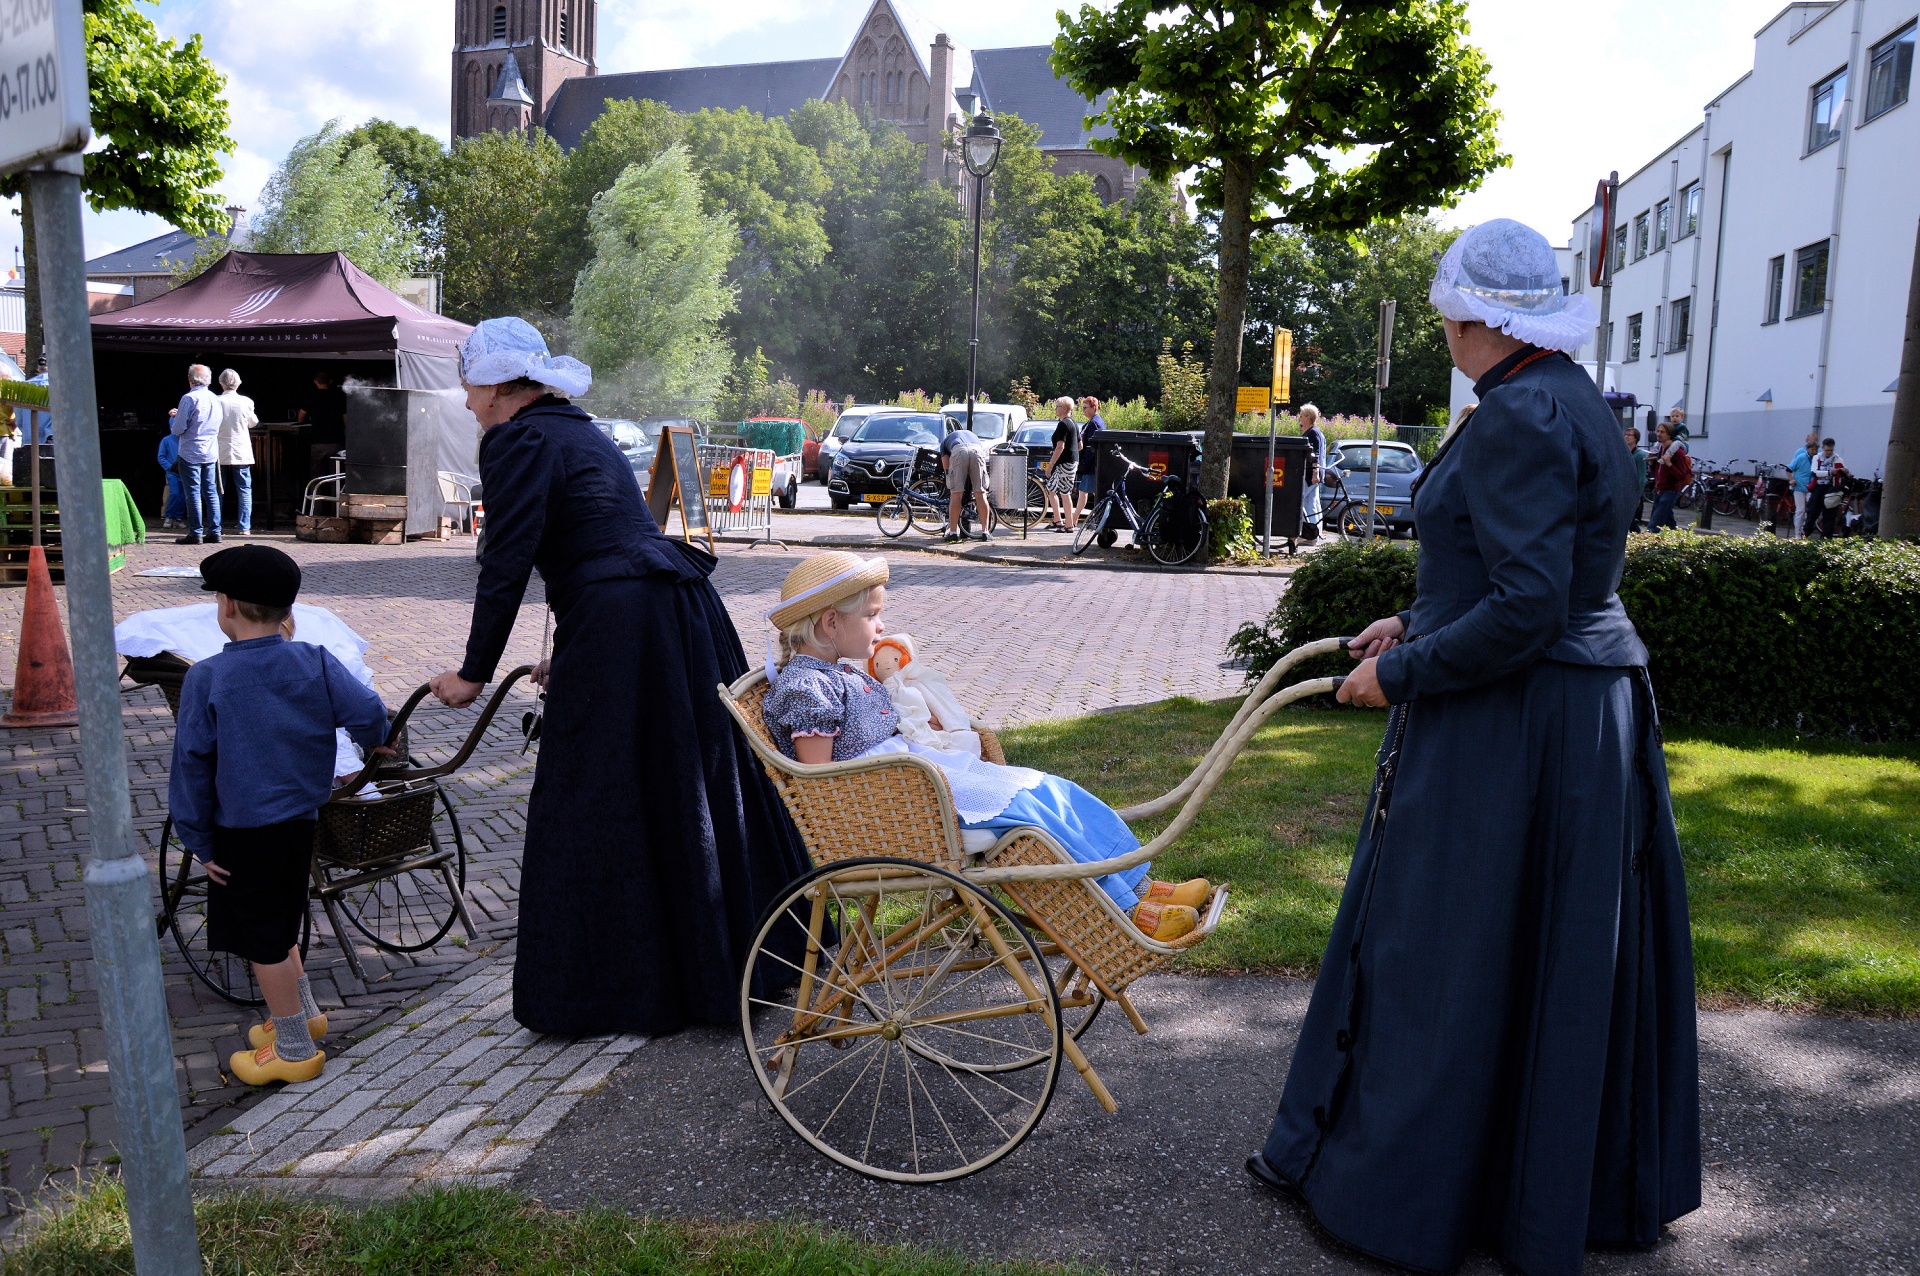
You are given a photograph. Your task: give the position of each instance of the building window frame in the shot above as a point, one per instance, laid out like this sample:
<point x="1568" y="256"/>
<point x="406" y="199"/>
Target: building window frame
<point x="1619" y="249"/>
<point x="1635" y="327"/>
<point x="1662" y="225"/>
<point x="1691" y="199"/>
<point x="1640" y="239"/>
<point x="1829" y="96"/>
<point x="1810" y="278"/>
<point x="498" y="31"/>
<point x="1679" y="324"/>
<point x="1889" y="73"/>
<point x="1606" y="355"/>
<point x="1776" y="289"/>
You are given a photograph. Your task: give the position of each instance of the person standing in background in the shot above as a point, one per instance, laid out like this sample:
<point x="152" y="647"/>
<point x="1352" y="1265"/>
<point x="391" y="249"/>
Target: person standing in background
<point x="1829" y="471"/>
<point x="237" y="418"/>
<point x="326" y="411"/>
<point x="1640" y="467"/>
<point x="1316" y="470"/>
<point x="1063" y="467"/>
<point x="1672" y="471"/>
<point x="174" y="514"/>
<point x="1802" y="467"/>
<point x="39" y="425"/>
<point x="1089" y="468"/>
<point x="196" y="423"/>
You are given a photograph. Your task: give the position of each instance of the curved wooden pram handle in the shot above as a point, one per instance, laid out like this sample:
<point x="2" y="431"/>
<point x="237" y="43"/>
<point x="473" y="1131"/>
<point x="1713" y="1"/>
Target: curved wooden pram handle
<point x="379" y="768"/>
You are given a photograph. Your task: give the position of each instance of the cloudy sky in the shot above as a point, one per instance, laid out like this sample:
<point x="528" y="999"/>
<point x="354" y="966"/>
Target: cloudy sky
<point x="1579" y="95"/>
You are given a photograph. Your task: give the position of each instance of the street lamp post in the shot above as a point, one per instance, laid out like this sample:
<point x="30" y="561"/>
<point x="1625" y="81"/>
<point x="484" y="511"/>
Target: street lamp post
<point x="980" y="150"/>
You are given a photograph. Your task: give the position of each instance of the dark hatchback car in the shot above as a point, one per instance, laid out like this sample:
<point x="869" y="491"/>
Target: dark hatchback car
<point x="868" y="467"/>
<point x="1399" y="467"/>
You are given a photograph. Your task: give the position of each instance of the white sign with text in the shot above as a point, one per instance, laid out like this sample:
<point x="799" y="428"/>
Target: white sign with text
<point x="43" y="81"/>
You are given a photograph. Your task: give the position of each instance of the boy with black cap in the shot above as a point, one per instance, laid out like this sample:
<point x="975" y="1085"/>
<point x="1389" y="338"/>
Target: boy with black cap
<point x="252" y="764"/>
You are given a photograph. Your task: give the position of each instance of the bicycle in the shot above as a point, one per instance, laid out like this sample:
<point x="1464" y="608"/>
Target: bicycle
<point x="920" y="501"/>
<point x="1169" y="540"/>
<point x="1346" y="515"/>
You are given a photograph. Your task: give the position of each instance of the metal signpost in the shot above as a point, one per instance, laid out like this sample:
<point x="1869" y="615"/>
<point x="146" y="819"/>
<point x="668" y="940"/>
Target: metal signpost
<point x="1382" y="362"/>
<point x="43" y="128"/>
<point x="1606" y="198"/>
<point x="1282" y="393"/>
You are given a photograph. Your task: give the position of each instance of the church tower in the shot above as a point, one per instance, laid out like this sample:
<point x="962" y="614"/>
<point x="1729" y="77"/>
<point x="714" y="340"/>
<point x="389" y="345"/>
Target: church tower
<point x="511" y="56"/>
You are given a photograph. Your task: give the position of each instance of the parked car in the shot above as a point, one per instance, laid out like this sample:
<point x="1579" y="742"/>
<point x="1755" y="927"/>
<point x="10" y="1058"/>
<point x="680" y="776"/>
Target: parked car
<point x="848" y="424"/>
<point x="992" y="422"/>
<point x="1399" y="467"/>
<point x="868" y="466"/>
<point x="639" y="440"/>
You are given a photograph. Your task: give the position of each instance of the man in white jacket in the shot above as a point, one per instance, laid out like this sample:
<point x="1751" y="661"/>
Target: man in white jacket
<point x="235" y="448"/>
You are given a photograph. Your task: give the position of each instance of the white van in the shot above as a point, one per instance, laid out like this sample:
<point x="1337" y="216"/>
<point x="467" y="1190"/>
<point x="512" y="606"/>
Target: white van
<point x="993" y="422"/>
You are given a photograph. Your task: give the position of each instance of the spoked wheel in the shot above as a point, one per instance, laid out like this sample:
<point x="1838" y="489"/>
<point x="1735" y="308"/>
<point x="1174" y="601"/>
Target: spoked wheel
<point x="1016" y="517"/>
<point x="406" y="902"/>
<point x="929" y="510"/>
<point x="901" y="1021"/>
<point x="893" y="516"/>
<point x="1092" y="527"/>
<point x="183" y="910"/>
<point x="1172" y="548"/>
<point x="1036" y="500"/>
<point x="1351" y="521"/>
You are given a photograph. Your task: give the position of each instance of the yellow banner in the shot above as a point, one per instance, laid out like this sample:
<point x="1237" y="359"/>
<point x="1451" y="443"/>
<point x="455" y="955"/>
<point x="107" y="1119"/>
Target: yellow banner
<point x="1251" y="398"/>
<point x="717" y="480"/>
<point x="762" y="482"/>
<point x="1283" y="365"/>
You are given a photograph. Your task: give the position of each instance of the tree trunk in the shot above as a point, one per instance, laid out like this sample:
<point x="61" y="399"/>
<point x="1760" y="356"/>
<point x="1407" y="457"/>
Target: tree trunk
<point x="30" y="286"/>
<point x="1900" y="501"/>
<point x="1223" y="376"/>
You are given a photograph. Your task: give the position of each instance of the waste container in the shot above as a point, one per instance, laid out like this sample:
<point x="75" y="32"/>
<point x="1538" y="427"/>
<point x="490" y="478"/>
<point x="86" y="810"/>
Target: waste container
<point x="1247" y="470"/>
<point x="1175" y="454"/>
<point x="1007" y="476"/>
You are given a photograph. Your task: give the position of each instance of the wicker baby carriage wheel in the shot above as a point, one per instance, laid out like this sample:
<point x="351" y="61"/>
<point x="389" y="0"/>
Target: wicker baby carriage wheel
<point x="395" y="865"/>
<point x="183" y="911"/>
<point x="881" y="1003"/>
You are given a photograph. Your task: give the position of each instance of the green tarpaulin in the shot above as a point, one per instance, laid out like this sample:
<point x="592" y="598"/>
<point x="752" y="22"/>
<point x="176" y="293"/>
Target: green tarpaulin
<point x="125" y="524"/>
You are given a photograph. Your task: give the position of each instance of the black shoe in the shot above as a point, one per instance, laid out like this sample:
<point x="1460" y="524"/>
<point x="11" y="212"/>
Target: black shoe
<point x="1270" y="1177"/>
<point x="189" y="540"/>
<point x="952" y="538"/>
<point x="214" y="539"/>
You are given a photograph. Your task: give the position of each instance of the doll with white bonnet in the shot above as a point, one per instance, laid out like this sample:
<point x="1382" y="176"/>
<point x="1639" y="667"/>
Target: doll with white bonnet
<point x="930" y="713"/>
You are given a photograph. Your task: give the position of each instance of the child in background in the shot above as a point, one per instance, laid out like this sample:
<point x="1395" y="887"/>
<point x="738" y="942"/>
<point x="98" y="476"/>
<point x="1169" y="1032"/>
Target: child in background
<point x="174" y="514"/>
<point x="252" y="764"/>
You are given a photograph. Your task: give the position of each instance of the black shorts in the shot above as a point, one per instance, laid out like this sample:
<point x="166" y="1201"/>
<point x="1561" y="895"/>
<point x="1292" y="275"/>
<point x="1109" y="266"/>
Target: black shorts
<point x="257" y="914"/>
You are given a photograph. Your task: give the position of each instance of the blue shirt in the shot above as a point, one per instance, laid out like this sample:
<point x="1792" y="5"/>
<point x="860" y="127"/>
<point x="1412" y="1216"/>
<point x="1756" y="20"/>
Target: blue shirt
<point x="197" y="424"/>
<point x="38" y="425"/>
<point x="254" y="743"/>
<point x="958" y="439"/>
<point x="1802" y="467"/>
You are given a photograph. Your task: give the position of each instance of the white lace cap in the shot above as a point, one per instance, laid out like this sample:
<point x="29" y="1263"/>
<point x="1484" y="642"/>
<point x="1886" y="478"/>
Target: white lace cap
<point x="1503" y="274"/>
<point x="507" y="349"/>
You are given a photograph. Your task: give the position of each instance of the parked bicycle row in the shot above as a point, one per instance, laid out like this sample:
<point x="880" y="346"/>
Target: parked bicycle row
<point x="1812" y="493"/>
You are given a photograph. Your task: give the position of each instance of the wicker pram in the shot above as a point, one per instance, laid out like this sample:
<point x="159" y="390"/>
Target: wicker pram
<point x="909" y="927"/>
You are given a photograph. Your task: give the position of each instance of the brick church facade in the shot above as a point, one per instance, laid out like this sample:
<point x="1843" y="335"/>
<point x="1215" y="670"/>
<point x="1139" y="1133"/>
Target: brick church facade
<point x="520" y="64"/>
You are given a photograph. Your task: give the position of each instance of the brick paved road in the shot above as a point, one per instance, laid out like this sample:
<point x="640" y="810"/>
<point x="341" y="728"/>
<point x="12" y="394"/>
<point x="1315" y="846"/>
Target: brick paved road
<point x="1021" y="644"/>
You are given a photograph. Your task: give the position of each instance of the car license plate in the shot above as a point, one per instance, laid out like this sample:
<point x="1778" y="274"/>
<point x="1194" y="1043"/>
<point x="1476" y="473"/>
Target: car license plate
<point x="876" y="498"/>
<point x="1384" y="509"/>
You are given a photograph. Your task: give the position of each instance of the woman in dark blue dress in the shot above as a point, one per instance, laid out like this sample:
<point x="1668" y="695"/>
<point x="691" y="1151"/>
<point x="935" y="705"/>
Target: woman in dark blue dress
<point x="1500" y="1048"/>
<point x="654" y="839"/>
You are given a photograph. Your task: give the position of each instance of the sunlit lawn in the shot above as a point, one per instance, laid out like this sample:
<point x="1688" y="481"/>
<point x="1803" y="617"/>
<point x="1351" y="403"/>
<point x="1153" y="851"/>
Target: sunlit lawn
<point x="1803" y="857"/>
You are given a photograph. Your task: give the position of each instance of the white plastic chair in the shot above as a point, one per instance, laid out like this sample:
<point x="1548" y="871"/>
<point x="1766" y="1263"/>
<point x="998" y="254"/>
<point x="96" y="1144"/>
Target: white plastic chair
<point x="457" y="490"/>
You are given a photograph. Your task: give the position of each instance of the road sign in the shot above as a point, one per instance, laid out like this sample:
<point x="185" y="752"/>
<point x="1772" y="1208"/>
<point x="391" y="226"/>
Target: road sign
<point x="1600" y="234"/>
<point x="1283" y="365"/>
<point x="1251" y="398"/>
<point x="43" y="82"/>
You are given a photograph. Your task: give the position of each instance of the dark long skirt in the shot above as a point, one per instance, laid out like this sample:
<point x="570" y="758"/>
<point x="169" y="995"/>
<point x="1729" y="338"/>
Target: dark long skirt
<point x="654" y="838"/>
<point x="1500" y="1049"/>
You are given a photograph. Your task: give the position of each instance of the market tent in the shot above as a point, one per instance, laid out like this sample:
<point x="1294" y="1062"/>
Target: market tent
<point x="305" y="306"/>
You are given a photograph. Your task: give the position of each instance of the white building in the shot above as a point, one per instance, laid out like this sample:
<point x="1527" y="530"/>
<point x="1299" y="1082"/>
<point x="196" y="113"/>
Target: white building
<point x="1761" y="262"/>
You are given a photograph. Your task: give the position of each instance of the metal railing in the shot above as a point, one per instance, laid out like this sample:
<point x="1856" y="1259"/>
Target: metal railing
<point x="740" y="493"/>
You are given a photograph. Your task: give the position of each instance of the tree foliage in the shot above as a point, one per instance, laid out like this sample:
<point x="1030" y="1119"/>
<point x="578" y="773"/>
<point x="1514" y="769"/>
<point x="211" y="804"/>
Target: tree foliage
<point x="415" y="162"/>
<point x="491" y="198"/>
<point x="1325" y="115"/>
<point x="627" y="133"/>
<point x="648" y="308"/>
<point x="327" y="198"/>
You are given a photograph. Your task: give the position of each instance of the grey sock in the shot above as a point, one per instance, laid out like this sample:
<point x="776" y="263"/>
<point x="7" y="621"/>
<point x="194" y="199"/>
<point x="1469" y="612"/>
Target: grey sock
<point x="308" y="1005"/>
<point x="290" y="1038"/>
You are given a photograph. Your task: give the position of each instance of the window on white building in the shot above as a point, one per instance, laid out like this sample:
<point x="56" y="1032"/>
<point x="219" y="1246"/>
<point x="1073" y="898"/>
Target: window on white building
<point x="1776" y="284"/>
<point x="1679" y="320"/>
<point x="1823" y="116"/>
<point x="1619" y="249"/>
<point x="1889" y="72"/>
<point x="1639" y="236"/>
<point x="1810" y="279"/>
<point x="1633" y="339"/>
<point x="1579" y="272"/>
<point x="1662" y="223"/>
<point x="1689" y="210"/>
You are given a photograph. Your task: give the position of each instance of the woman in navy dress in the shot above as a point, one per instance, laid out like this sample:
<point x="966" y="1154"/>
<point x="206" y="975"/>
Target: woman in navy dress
<point x="1500" y="1049"/>
<point x="654" y="839"/>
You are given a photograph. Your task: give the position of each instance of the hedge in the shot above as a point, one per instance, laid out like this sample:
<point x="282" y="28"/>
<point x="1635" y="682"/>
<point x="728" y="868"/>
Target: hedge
<point x="1819" y="637"/>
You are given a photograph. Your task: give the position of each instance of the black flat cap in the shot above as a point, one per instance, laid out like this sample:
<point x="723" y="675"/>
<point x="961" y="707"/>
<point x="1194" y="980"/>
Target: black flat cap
<point x="252" y="574"/>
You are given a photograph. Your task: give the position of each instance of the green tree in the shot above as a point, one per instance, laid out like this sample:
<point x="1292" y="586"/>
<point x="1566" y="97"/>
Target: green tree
<point x="414" y="158"/>
<point x="628" y="132"/>
<point x="647" y="311"/>
<point x="326" y="198"/>
<point x="161" y="109"/>
<point x="491" y="198"/>
<point x="1325" y="115"/>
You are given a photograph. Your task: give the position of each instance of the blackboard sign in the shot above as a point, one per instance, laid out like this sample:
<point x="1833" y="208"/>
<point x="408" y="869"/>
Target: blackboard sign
<point x="676" y="477"/>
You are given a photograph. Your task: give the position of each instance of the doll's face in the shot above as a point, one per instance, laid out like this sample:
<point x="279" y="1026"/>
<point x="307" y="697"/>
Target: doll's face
<point x="886" y="661"/>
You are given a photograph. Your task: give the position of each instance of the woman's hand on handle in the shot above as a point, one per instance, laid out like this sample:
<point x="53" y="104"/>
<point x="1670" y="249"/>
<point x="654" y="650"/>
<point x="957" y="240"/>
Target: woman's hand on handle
<point x="454" y="691"/>
<point x="1376" y="639"/>
<point x="1362" y="687"/>
<point x="539" y="674"/>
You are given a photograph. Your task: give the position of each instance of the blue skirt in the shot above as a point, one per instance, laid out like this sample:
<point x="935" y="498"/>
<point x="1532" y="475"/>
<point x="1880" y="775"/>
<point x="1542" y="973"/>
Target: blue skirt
<point x="1085" y="826"/>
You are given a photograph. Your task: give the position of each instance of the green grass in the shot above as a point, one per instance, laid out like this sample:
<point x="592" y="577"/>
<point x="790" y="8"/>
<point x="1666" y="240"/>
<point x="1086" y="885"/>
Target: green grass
<point x="1803" y="857"/>
<point x="469" y="1230"/>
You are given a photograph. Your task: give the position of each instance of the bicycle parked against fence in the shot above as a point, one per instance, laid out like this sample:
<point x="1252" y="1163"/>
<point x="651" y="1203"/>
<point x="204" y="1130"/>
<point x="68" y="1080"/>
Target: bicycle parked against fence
<point x="1175" y="527"/>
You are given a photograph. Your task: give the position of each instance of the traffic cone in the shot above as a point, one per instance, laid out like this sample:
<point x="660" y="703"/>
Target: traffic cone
<point x="43" y="680"/>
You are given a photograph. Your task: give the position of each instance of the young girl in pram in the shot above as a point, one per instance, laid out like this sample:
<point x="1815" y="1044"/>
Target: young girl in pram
<point x="820" y="710"/>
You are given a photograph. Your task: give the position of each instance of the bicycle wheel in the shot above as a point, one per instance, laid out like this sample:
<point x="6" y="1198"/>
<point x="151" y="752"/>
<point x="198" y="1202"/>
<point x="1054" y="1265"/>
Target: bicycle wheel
<point x="408" y="906"/>
<point x="1171" y="548"/>
<point x="893" y="517"/>
<point x="1092" y="525"/>
<point x="1349" y="520"/>
<point x="183" y="893"/>
<point x="1016" y="517"/>
<point x="927" y="506"/>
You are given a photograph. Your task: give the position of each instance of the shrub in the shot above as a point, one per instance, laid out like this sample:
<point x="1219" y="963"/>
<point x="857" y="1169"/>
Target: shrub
<point x="1230" y="531"/>
<point x="916" y="401"/>
<point x="1022" y="393"/>
<point x="1811" y="636"/>
<point x="1338" y="591"/>
<point x="1183" y="387"/>
<point x="1132" y="415"/>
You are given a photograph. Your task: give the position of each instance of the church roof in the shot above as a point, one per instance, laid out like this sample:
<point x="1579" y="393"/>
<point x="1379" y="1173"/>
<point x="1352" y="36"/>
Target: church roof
<point x="1021" y="81"/>
<point x="771" y="88"/>
<point x="157" y="256"/>
<point x="510" y="87"/>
